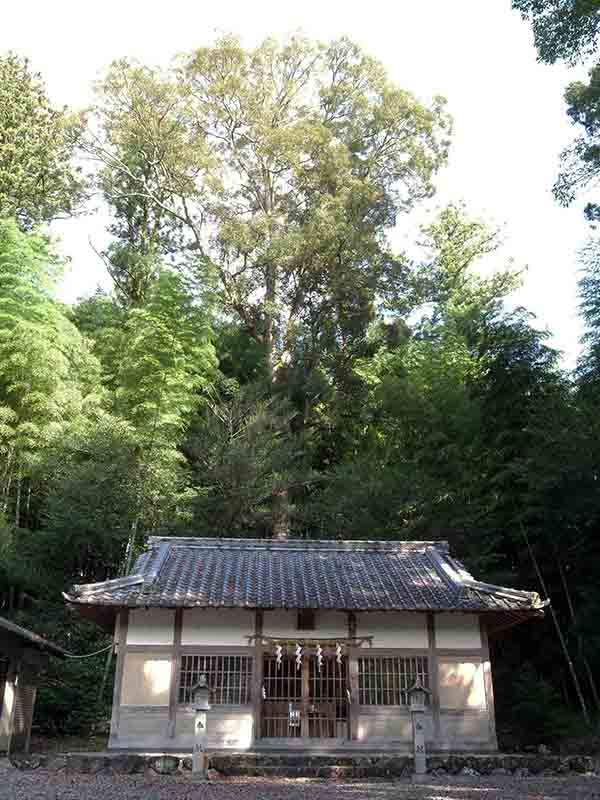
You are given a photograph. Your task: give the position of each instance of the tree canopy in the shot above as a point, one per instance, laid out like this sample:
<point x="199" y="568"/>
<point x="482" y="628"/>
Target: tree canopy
<point x="282" y="166"/>
<point x="562" y="29"/>
<point x="39" y="180"/>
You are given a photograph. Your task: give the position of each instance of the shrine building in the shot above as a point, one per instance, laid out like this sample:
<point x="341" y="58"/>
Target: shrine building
<point x="304" y="644"/>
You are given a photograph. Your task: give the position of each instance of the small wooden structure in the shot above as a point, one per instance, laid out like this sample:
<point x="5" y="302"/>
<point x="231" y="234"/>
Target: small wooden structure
<point x="304" y="644"/>
<point x="23" y="656"/>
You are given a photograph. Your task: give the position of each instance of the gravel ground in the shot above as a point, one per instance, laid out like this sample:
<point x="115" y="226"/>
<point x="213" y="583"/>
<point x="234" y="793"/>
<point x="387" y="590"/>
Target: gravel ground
<point x="43" y="785"/>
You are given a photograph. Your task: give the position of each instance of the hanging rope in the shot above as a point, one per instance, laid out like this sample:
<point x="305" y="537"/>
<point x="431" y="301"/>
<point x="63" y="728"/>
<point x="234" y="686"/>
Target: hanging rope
<point x="90" y="655"/>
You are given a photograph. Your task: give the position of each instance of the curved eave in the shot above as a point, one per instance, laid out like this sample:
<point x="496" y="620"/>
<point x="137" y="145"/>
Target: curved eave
<point x="498" y="621"/>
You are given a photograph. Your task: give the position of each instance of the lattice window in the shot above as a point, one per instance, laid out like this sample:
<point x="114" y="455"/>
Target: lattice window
<point x="385" y="681"/>
<point x="229" y="678"/>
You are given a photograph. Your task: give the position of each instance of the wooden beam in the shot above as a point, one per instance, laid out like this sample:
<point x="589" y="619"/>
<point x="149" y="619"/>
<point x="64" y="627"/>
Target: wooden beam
<point x="175" y="670"/>
<point x="353" y="709"/>
<point x="122" y="623"/>
<point x="434" y="676"/>
<point x="257" y="679"/>
<point x="487" y="682"/>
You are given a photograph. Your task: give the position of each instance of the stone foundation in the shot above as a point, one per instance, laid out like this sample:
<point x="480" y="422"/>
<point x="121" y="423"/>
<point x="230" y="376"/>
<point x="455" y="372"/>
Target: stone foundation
<point x="328" y="766"/>
<point x="389" y="766"/>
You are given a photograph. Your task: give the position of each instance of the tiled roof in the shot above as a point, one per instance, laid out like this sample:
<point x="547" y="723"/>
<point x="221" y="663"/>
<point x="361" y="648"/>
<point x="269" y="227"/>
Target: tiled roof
<point x="259" y="573"/>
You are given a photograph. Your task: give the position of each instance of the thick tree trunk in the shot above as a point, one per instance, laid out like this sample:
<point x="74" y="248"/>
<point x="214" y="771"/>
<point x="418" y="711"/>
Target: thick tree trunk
<point x="280" y="514"/>
<point x="131" y="545"/>
<point x="270" y="299"/>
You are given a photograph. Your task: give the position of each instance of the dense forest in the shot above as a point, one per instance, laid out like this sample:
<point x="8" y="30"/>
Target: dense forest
<point x="266" y="363"/>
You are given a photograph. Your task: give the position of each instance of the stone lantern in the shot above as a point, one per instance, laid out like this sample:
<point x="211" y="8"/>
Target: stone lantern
<point x="417" y="697"/>
<point x="201" y="706"/>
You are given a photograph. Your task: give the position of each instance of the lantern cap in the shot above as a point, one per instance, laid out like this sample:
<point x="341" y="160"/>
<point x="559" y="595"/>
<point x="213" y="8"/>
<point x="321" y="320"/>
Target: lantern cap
<point x="200" y="684"/>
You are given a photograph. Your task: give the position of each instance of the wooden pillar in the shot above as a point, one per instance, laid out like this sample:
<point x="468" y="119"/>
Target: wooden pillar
<point x="121" y="643"/>
<point x="434" y="677"/>
<point x="25" y="693"/>
<point x="353" y="710"/>
<point x="257" y="687"/>
<point x="175" y="668"/>
<point x="32" y="692"/>
<point x="487" y="680"/>
<point x="305" y="671"/>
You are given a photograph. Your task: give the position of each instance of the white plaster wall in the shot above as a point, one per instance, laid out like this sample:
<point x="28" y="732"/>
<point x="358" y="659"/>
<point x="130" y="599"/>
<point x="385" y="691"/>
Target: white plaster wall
<point x="217" y="626"/>
<point x="146" y="680"/>
<point x="283" y="623"/>
<point x="462" y="685"/>
<point x="457" y="631"/>
<point x="151" y="626"/>
<point x="393" y="628"/>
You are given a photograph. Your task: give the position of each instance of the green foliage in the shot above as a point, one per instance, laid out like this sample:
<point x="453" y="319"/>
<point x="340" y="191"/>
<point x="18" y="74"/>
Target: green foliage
<point x="241" y="453"/>
<point x="568" y="30"/>
<point x="562" y="29"/>
<point x="38" y="181"/>
<point x="297" y="192"/>
<point x="580" y="162"/>
<point x="47" y="372"/>
<point x="90" y="475"/>
<point x="165" y="358"/>
<point x="536" y="708"/>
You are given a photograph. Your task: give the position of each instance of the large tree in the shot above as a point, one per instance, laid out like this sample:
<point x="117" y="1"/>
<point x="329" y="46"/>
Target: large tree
<point x="38" y="178"/>
<point x="282" y="166"/>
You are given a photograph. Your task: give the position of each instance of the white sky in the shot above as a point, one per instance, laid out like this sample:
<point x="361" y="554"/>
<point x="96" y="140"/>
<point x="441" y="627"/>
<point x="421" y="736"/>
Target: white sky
<point x="509" y="117"/>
